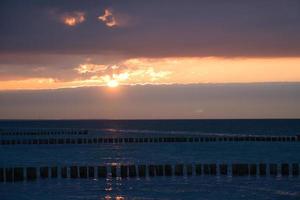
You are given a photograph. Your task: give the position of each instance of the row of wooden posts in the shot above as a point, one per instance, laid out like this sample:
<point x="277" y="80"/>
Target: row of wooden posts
<point x="99" y="140"/>
<point x="44" y="132"/>
<point x="17" y="174"/>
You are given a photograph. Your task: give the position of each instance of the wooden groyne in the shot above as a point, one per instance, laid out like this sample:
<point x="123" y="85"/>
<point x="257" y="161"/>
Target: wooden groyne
<point x="43" y="132"/>
<point x="18" y="174"/>
<point x="128" y="140"/>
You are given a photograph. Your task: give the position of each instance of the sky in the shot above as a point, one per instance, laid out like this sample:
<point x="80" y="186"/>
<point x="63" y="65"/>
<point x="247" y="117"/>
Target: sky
<point x="157" y="49"/>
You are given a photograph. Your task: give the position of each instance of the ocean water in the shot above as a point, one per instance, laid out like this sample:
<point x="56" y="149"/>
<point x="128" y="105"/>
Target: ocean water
<point x="185" y="187"/>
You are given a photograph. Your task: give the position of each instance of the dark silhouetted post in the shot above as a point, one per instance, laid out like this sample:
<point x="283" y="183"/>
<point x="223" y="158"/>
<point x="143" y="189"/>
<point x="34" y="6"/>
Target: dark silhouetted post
<point x="223" y="169"/>
<point x="159" y="169"/>
<point x="53" y="172"/>
<point x="31" y="173"/>
<point x="83" y="172"/>
<point x="1" y="175"/>
<point x="151" y="170"/>
<point x="132" y="171"/>
<point x="213" y="169"/>
<point x="179" y="170"/>
<point x="74" y="172"/>
<point x="240" y="170"/>
<point x="206" y="169"/>
<point x="189" y="169"/>
<point x="168" y="170"/>
<point x="113" y="170"/>
<point x="124" y="171"/>
<point x="9" y="174"/>
<point x="102" y="171"/>
<point x="142" y="170"/>
<point x="262" y="169"/>
<point x="295" y="169"/>
<point x="18" y="174"/>
<point x="273" y="169"/>
<point x="64" y="172"/>
<point x="91" y="172"/>
<point x="253" y="169"/>
<point x="285" y="171"/>
<point x="198" y="169"/>
<point x="44" y="172"/>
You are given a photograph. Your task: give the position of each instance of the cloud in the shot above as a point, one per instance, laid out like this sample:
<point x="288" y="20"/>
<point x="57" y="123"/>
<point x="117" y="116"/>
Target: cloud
<point x="241" y="29"/>
<point x="99" y="74"/>
<point x="108" y="18"/>
<point x="89" y="68"/>
<point x="76" y="72"/>
<point x="73" y="18"/>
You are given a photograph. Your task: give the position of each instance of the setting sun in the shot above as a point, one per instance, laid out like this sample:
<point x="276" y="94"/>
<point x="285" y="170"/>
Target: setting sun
<point x="112" y="83"/>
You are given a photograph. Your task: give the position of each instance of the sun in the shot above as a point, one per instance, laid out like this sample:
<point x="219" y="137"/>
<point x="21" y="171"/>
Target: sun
<point x="112" y="83"/>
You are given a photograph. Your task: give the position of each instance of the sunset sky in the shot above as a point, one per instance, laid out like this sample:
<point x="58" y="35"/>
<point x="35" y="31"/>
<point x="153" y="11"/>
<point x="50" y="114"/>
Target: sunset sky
<point x="156" y="49"/>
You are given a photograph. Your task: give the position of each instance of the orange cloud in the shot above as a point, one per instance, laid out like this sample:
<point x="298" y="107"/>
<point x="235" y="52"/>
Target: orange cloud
<point x="90" y="68"/>
<point x="176" y="70"/>
<point x="121" y="74"/>
<point x="108" y="18"/>
<point x="73" y="19"/>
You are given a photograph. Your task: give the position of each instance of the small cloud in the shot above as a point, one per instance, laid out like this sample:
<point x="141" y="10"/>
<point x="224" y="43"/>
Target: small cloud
<point x="108" y="18"/>
<point x="156" y="75"/>
<point x="90" y="68"/>
<point x="73" y="18"/>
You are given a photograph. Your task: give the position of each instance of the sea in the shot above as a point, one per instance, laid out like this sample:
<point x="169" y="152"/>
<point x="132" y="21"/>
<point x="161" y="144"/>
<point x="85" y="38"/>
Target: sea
<point x="159" y="187"/>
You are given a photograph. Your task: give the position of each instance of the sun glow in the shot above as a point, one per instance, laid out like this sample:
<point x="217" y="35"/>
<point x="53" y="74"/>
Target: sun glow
<point x="112" y="83"/>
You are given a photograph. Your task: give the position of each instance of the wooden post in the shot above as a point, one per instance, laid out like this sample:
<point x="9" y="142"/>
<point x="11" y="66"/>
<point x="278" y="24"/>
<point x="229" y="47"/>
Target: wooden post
<point x="198" y="169"/>
<point x="1" y="175"/>
<point x="31" y="173"/>
<point x="285" y="171"/>
<point x="179" y="170"/>
<point x="8" y="174"/>
<point x="213" y="169"/>
<point x="113" y="170"/>
<point x="206" y="169"/>
<point x="240" y="170"/>
<point x="132" y="171"/>
<point x="74" y="172"/>
<point x="102" y="171"/>
<point x="189" y="169"/>
<point x="53" y="172"/>
<point x="44" y="172"/>
<point x="253" y="169"/>
<point x="142" y="170"/>
<point x="159" y="169"/>
<point x="295" y="169"/>
<point x="18" y="174"/>
<point x="124" y="171"/>
<point x="83" y="172"/>
<point x="223" y="169"/>
<point x="273" y="169"/>
<point x="151" y="170"/>
<point x="64" y="172"/>
<point x="262" y="169"/>
<point x="91" y="172"/>
<point x="168" y="170"/>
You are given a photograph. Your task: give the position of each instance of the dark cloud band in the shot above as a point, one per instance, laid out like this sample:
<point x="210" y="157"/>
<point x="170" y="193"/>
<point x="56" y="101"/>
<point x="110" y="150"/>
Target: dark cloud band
<point x="155" y="28"/>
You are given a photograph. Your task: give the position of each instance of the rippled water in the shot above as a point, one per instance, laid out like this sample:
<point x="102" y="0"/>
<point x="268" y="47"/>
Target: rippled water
<point x="194" y="187"/>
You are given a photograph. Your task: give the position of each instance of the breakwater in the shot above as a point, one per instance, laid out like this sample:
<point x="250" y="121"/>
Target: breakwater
<point x="17" y="174"/>
<point x="153" y="139"/>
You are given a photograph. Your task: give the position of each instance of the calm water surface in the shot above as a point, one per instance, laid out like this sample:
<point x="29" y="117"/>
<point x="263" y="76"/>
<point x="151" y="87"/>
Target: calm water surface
<point x="202" y="187"/>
